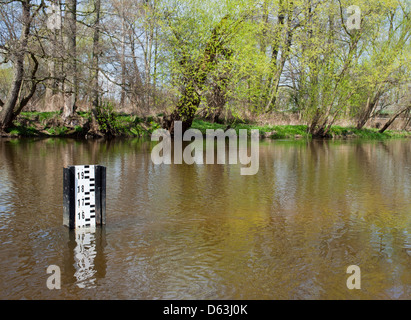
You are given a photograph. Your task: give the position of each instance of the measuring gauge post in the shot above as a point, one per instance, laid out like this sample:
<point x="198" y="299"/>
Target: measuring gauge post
<point x="84" y="196"/>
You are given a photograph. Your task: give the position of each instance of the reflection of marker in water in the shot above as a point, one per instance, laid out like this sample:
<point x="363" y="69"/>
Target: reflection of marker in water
<point x="84" y="196"/>
<point x="84" y="255"/>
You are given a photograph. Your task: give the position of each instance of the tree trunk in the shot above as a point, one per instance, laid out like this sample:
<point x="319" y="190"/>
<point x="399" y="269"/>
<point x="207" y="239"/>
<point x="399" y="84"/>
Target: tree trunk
<point x="407" y="119"/>
<point x="95" y="96"/>
<point x="24" y="100"/>
<point x="392" y="119"/>
<point x="123" y="57"/>
<point x="52" y="95"/>
<point x="185" y="110"/>
<point x="277" y="68"/>
<point x="6" y="115"/>
<point x="135" y="79"/>
<point x="217" y="98"/>
<point x="190" y="100"/>
<point x="96" y="56"/>
<point x="368" y="110"/>
<point x="70" y="82"/>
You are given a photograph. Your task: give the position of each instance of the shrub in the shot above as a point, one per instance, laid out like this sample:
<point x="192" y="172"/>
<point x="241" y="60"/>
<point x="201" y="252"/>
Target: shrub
<point x="108" y="121"/>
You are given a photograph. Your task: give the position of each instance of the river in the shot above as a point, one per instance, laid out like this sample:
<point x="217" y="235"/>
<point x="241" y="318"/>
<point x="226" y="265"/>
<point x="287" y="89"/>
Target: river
<point x="207" y="232"/>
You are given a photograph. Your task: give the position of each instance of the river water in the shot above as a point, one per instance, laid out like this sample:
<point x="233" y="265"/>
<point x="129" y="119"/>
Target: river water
<point x="207" y="232"/>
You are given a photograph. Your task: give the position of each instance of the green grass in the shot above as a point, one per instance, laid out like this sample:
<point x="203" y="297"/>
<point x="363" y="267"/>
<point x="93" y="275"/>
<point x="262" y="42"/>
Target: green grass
<point x="204" y="125"/>
<point x="278" y="131"/>
<point x="57" y="131"/>
<point x="133" y="126"/>
<point x="300" y="131"/>
<point x="41" y="116"/>
<point x="19" y="130"/>
<point x="32" y="124"/>
<point x="367" y="133"/>
<point x="84" y="114"/>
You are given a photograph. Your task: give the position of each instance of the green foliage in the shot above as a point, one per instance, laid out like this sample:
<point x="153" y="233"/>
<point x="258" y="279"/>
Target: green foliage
<point x="204" y="125"/>
<point x="114" y="124"/>
<point x="276" y="131"/>
<point x="57" y="131"/>
<point x="6" y="76"/>
<point x="107" y="119"/>
<point x="24" y="131"/>
<point x="41" y="116"/>
<point x="237" y="50"/>
<point x="84" y="114"/>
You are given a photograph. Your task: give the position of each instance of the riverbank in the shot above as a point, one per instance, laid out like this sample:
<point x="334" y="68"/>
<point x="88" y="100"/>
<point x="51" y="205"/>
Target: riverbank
<point x="49" y="124"/>
<point x="300" y="131"/>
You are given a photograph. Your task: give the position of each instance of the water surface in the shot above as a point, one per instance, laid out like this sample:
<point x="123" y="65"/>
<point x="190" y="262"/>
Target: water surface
<point x="207" y="232"/>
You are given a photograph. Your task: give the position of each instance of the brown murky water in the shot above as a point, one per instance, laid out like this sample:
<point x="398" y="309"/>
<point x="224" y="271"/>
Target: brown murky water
<point x="205" y="231"/>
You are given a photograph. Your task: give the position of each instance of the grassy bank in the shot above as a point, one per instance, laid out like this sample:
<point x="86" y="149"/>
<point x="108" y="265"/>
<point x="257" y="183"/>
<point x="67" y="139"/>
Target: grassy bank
<point x="300" y="131"/>
<point x="49" y="124"/>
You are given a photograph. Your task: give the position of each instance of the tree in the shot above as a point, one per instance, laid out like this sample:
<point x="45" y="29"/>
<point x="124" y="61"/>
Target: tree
<point x="70" y="81"/>
<point x="95" y="69"/>
<point x="384" y="68"/>
<point x="195" y="76"/>
<point x="96" y="56"/>
<point x="326" y="73"/>
<point x="16" y="50"/>
<point x="52" y="47"/>
<point x="237" y="58"/>
<point x="282" y="42"/>
<point x="219" y="85"/>
<point x="195" y="50"/>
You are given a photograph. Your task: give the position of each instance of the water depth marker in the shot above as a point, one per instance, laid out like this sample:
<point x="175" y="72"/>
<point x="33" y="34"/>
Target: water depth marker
<point x="84" y="196"/>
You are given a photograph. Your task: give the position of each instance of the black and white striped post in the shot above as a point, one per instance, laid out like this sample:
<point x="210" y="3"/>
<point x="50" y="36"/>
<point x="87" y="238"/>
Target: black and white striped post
<point x="84" y="196"/>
